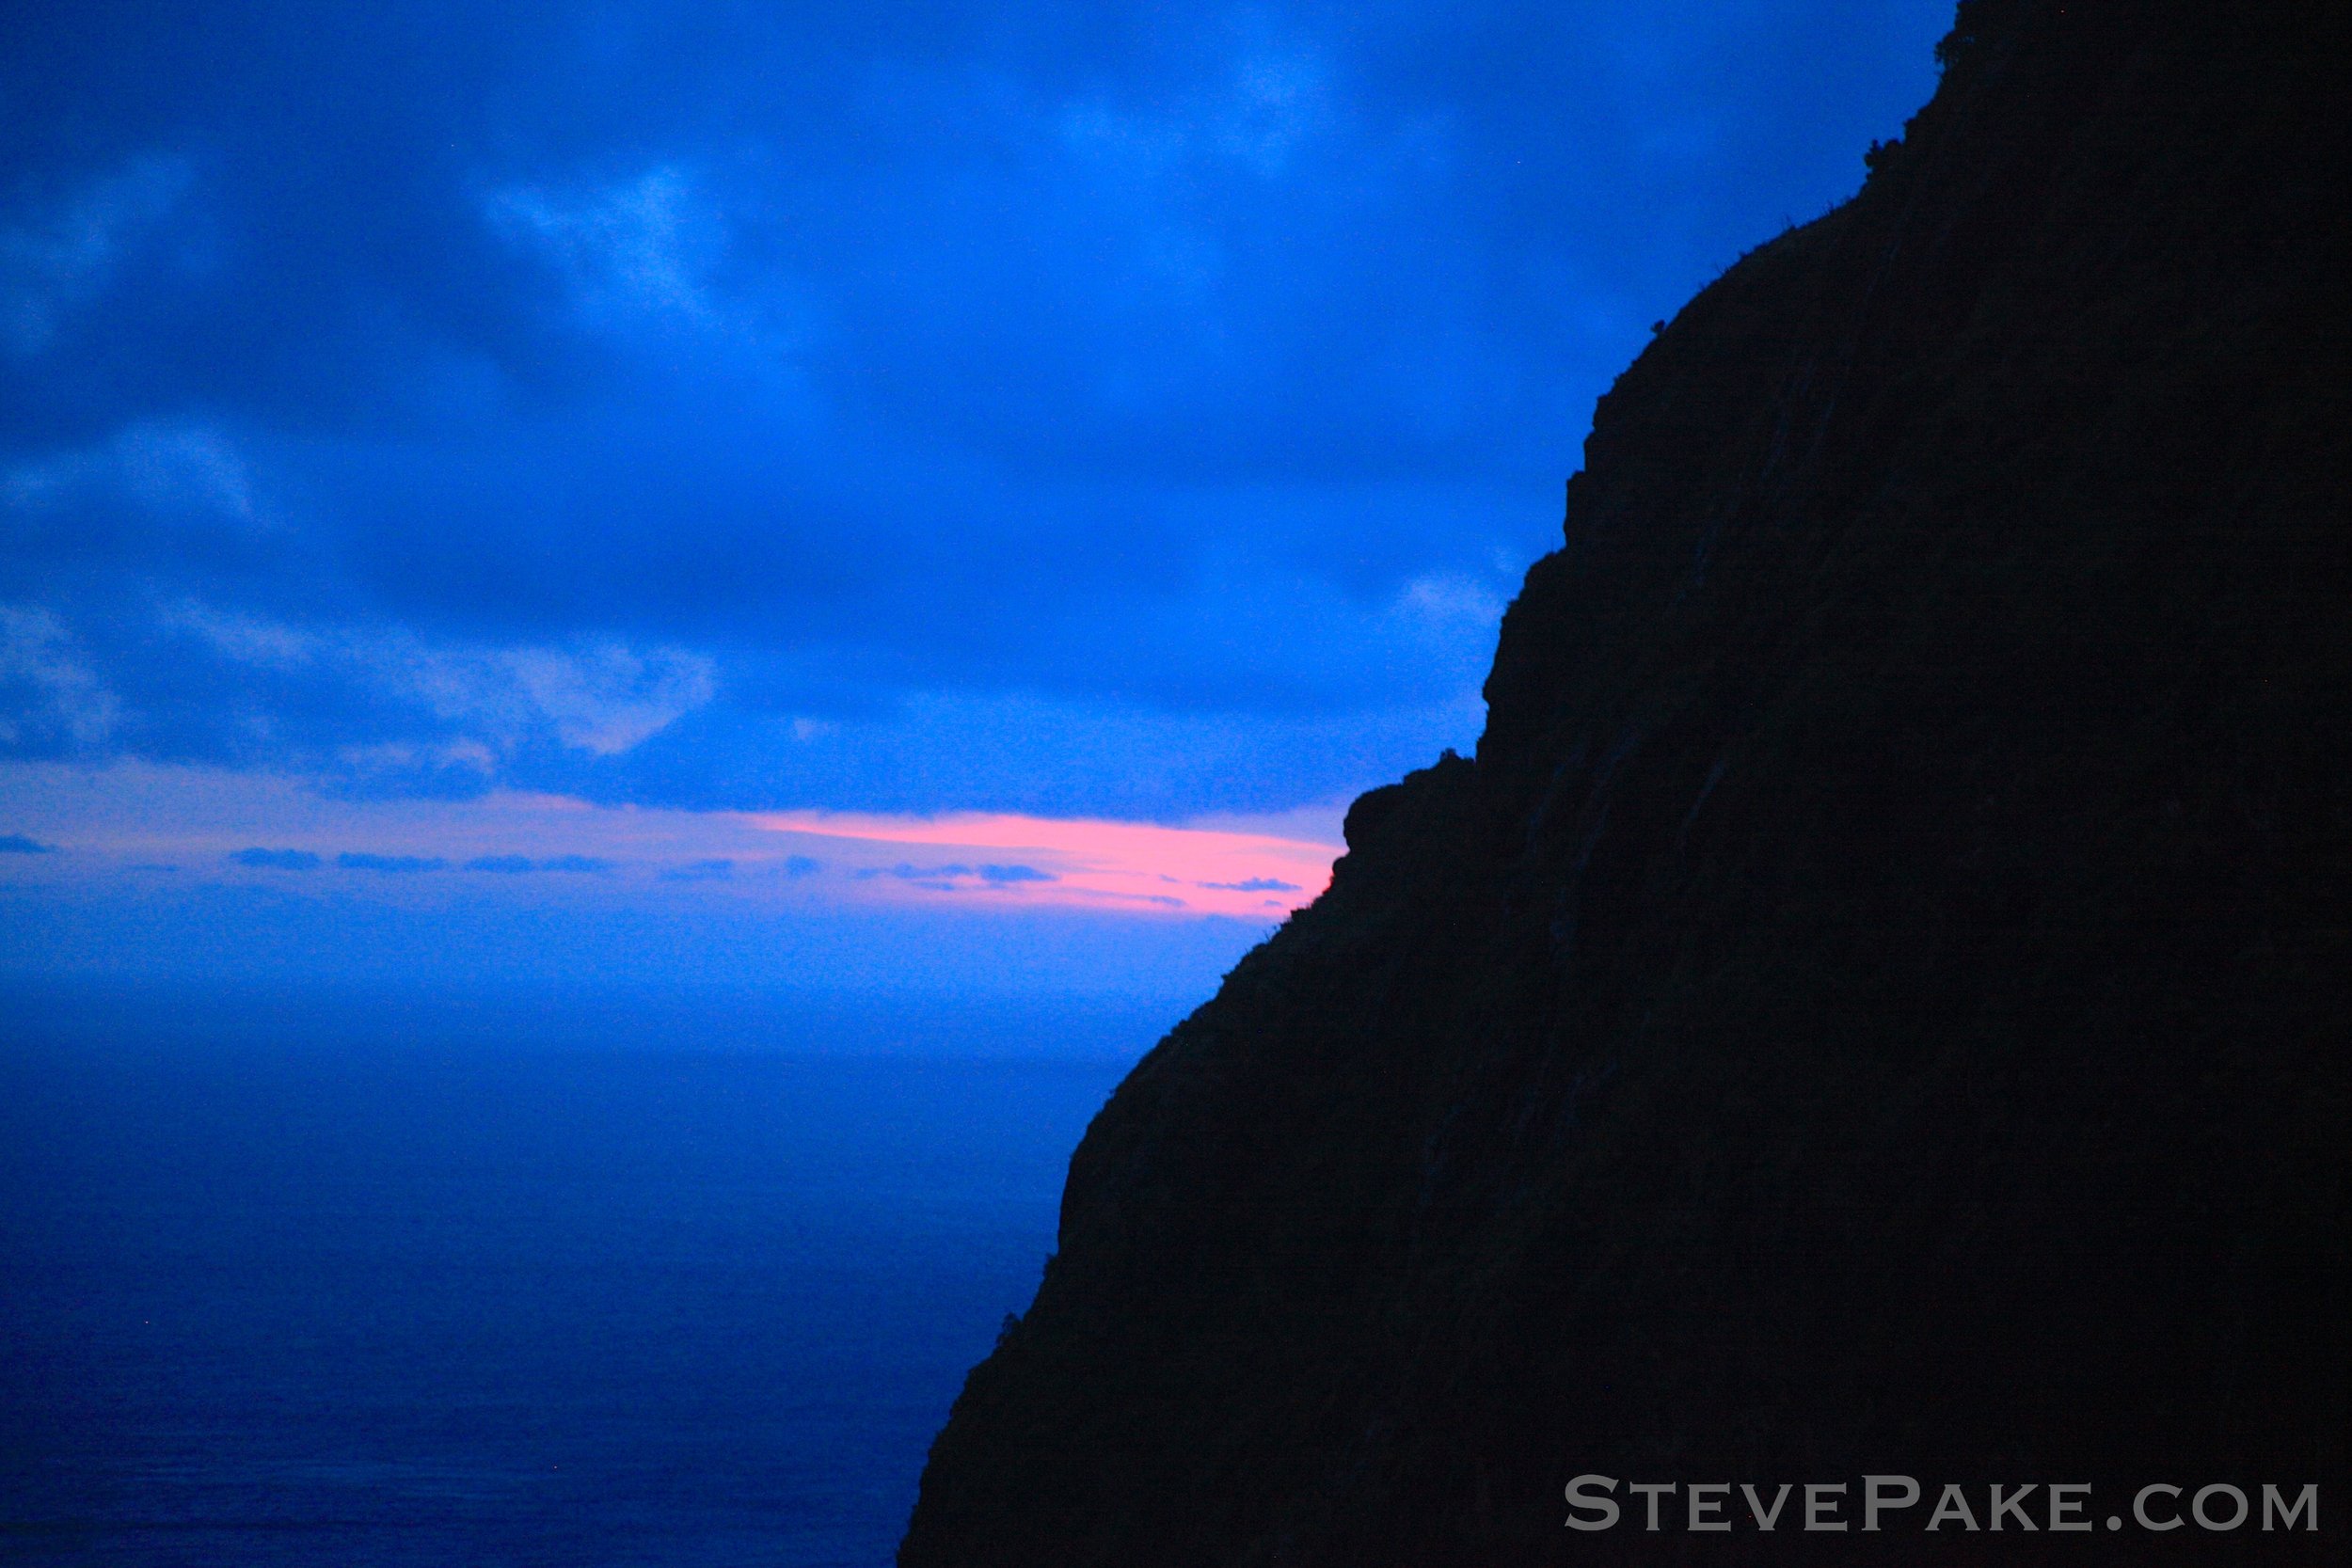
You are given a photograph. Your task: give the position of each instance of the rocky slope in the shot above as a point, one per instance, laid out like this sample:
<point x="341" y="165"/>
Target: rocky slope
<point x="1877" y="1000"/>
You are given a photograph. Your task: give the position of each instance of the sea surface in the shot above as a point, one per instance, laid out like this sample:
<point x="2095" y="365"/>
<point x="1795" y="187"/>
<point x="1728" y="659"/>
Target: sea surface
<point x="307" y="1289"/>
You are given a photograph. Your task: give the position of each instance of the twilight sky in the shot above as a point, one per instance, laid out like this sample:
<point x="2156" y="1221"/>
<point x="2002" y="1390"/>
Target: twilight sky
<point x="609" y="484"/>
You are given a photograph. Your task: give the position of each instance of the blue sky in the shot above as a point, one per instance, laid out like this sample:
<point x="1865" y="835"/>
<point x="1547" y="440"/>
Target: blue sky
<point x="671" y="414"/>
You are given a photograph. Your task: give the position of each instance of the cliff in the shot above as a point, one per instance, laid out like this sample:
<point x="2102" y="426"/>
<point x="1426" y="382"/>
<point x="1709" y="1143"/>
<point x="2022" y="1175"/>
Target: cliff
<point x="1877" y="999"/>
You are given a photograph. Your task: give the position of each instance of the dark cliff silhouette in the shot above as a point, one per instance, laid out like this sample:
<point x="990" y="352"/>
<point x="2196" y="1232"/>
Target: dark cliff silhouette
<point x="1878" y="1000"/>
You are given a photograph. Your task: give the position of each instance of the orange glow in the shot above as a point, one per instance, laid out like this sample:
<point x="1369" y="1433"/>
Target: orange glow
<point x="1035" y="860"/>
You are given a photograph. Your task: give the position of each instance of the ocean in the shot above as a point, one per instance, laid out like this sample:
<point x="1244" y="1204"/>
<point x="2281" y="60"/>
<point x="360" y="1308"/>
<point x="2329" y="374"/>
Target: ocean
<point x="333" y="1283"/>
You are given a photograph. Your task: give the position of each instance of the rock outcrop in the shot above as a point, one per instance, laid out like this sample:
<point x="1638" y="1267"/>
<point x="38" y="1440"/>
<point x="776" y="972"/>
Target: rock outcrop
<point x="1879" y="999"/>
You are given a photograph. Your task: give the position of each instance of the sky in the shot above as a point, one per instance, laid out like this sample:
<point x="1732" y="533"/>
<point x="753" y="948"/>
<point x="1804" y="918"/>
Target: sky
<point x="940" y="495"/>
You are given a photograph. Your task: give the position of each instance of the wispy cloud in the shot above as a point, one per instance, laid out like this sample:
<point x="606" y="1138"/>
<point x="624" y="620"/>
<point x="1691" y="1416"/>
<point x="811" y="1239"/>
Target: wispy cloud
<point x="171" y="471"/>
<point x="513" y="865"/>
<point x="50" y="698"/>
<point x="636" y="250"/>
<point x="601" y="697"/>
<point x="367" y="860"/>
<point x="277" y="859"/>
<point x="1269" y="104"/>
<point x="956" y="876"/>
<point x="516" y="865"/>
<point x="54" y="263"/>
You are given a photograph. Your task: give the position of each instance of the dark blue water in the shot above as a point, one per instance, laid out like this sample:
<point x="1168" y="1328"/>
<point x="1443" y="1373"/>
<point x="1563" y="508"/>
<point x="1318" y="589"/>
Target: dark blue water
<point x="406" y="1302"/>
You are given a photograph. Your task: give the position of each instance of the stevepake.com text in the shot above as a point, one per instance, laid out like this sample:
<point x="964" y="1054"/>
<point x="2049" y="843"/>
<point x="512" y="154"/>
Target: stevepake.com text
<point x="1892" y="1502"/>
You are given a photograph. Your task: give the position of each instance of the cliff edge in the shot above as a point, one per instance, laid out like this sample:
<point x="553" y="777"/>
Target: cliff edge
<point x="1877" y="1001"/>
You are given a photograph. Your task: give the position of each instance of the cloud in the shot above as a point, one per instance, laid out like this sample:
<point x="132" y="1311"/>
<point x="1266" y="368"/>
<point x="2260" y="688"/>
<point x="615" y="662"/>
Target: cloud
<point x="170" y="472"/>
<point x="357" y="701"/>
<point x="1255" y="884"/>
<point x="956" y="876"/>
<point x="1078" y="413"/>
<point x="51" y="702"/>
<point x="509" y="864"/>
<point x="17" y="844"/>
<point x="575" y="865"/>
<point x="54" y="263"/>
<point x="241" y="639"/>
<point x="362" y="860"/>
<point x="1260" y="112"/>
<point x="521" y="864"/>
<point x="643" y="246"/>
<point x="277" y="859"/>
<point x="715" y="869"/>
<point x="1454" y="599"/>
<point x="602" y="700"/>
<point x="165" y="466"/>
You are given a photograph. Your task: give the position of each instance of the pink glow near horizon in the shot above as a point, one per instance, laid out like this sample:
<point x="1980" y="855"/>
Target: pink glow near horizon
<point x="198" y="824"/>
<point x="1036" y="859"/>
